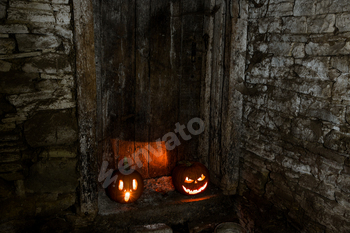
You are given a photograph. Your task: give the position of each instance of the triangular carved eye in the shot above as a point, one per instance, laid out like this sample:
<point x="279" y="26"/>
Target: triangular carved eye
<point x="188" y="180"/>
<point x="134" y="184"/>
<point x="121" y="185"/>
<point x="201" y="178"/>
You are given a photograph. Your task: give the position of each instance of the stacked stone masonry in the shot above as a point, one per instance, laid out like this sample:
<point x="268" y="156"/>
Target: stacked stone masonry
<point x="38" y="128"/>
<point x="296" y="117"/>
<point x="296" y="110"/>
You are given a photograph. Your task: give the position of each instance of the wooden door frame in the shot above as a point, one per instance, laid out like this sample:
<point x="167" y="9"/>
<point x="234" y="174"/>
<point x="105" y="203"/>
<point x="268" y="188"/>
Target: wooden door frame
<point x="86" y="106"/>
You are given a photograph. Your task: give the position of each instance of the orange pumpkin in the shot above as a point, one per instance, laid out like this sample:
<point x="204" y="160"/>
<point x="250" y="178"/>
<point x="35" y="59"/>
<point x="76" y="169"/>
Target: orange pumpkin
<point x="190" y="178"/>
<point x="126" y="188"/>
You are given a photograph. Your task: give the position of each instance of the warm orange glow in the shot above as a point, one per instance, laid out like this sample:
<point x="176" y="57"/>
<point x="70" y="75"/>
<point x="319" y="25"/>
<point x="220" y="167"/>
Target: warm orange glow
<point x="121" y="185"/>
<point x="188" y="180"/>
<point x="127" y="197"/>
<point x="134" y="184"/>
<point x="201" y="178"/>
<point x="151" y="159"/>
<point x="196" y="191"/>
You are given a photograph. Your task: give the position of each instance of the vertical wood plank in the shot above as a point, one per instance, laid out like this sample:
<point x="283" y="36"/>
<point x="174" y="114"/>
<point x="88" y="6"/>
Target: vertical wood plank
<point x="86" y="101"/>
<point x="190" y="87"/>
<point x="216" y="90"/>
<point x="236" y="37"/>
<point x="142" y="88"/>
<point x="176" y="67"/>
<point x="118" y="70"/>
<point x="208" y="31"/>
<point x="163" y="82"/>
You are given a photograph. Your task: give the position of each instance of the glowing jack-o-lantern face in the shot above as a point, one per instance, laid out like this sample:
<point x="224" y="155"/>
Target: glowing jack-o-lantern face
<point x="126" y="188"/>
<point x="190" y="178"/>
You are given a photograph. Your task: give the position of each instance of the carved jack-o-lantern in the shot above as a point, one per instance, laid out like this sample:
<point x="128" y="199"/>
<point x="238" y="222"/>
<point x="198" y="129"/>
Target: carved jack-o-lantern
<point x="126" y="188"/>
<point x="190" y="178"/>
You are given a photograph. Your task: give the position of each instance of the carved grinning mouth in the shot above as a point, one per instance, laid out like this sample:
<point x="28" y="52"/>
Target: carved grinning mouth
<point x="192" y="192"/>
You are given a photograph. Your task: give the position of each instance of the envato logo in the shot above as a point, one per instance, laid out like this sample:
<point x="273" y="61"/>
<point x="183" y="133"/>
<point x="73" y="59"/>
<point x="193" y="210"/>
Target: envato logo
<point x="127" y="166"/>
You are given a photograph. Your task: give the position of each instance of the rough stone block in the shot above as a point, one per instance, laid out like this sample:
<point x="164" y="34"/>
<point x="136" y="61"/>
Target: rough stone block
<point x="304" y="7"/>
<point x="343" y="22"/>
<point x="9" y="157"/>
<point x="280" y="9"/>
<point x="63" y="15"/>
<point x="5" y="66"/>
<point x="321" y="24"/>
<point x="297" y="25"/>
<point x="13" y="28"/>
<point x="47" y="128"/>
<point x="53" y="1"/>
<point x="17" y="83"/>
<point x="43" y="100"/>
<point x="316" y="108"/>
<point x="54" y="176"/>
<point x="26" y="16"/>
<point x="59" y="30"/>
<point x="347" y="116"/>
<point x="344" y="183"/>
<point x="48" y="63"/>
<point x="270" y="25"/>
<point x="327" y="49"/>
<point x="280" y="49"/>
<point x="59" y="153"/>
<point x="332" y="6"/>
<point x="12" y="176"/>
<point x="298" y="50"/>
<point x="314" y="69"/>
<point x="255" y="179"/>
<point x="7" y="127"/>
<point x="3" y="9"/>
<point x="51" y="85"/>
<point x="4" y="35"/>
<point x="337" y="141"/>
<point x="7" y="46"/>
<point x="20" y="55"/>
<point x="281" y="67"/>
<point x="307" y="130"/>
<point x="262" y="69"/>
<point x="341" y="88"/>
<point x="52" y="207"/>
<point x="30" y="5"/>
<point x="30" y="42"/>
<point x="63" y="18"/>
<point x="6" y="190"/>
<point x="288" y="38"/>
<point x="258" y="12"/>
<point x="154" y="228"/>
<point x="10" y="167"/>
<point x="341" y="63"/>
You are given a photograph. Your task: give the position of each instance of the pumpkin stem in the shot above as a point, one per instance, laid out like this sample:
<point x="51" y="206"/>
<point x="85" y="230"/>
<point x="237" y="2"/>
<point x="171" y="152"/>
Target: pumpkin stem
<point x="126" y="164"/>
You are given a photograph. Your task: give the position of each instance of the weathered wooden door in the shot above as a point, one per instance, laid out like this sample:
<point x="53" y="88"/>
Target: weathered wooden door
<point x="150" y="55"/>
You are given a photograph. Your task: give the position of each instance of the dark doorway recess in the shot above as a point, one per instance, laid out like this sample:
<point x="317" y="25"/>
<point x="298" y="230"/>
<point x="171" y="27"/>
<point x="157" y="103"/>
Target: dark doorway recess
<point x="150" y="68"/>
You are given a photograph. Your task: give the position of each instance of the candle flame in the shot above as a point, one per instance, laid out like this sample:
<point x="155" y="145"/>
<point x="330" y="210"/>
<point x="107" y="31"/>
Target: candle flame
<point x="127" y="197"/>
<point x="134" y="184"/>
<point x="121" y="185"/>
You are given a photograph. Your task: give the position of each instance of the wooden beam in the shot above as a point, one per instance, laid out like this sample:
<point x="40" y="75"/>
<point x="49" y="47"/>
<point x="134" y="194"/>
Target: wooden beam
<point x="86" y="104"/>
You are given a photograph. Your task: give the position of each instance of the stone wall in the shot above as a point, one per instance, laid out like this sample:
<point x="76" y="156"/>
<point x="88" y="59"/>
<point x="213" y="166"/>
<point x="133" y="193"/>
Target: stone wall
<point x="296" y="113"/>
<point x="38" y="129"/>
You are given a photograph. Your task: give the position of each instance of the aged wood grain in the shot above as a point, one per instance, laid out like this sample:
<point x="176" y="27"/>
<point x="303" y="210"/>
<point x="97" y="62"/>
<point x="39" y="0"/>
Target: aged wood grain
<point x="142" y="85"/>
<point x="164" y="86"/>
<point x="236" y="37"/>
<point x="86" y="99"/>
<point x="208" y="31"/>
<point x="190" y="83"/>
<point x="216" y="90"/>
